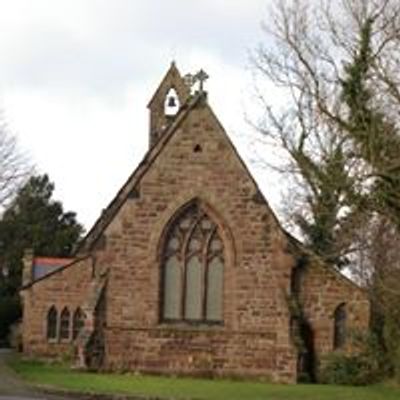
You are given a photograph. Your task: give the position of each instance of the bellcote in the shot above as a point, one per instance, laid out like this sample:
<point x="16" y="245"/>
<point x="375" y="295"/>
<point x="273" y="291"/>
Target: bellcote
<point x="170" y="95"/>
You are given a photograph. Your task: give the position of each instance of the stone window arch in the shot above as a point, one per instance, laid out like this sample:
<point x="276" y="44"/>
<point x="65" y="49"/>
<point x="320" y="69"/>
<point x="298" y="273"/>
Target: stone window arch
<point x="65" y="321"/>
<point x="192" y="268"/>
<point x="52" y="322"/>
<point x="78" y="321"/>
<point x="339" y="328"/>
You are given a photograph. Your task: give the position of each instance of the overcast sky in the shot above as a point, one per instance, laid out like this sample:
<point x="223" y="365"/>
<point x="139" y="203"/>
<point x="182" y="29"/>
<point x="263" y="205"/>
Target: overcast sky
<point x="76" y="76"/>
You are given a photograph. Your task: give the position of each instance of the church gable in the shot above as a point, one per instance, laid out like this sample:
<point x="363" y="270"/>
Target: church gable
<point x="198" y="162"/>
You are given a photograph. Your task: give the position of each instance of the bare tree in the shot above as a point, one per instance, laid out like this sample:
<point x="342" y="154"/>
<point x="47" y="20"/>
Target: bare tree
<point x="14" y="166"/>
<point x="307" y="52"/>
<point x="338" y="63"/>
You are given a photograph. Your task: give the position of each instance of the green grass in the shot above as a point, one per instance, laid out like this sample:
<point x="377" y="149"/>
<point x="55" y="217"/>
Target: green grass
<point x="62" y="377"/>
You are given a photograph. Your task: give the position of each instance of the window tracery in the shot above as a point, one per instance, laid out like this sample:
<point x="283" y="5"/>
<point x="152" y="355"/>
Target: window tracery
<point x="193" y="268"/>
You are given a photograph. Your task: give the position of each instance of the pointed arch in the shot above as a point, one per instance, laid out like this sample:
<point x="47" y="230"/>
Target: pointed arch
<point x="65" y="322"/>
<point x="52" y="322"/>
<point x="172" y="102"/>
<point x="339" y="328"/>
<point x="78" y="321"/>
<point x="192" y="267"/>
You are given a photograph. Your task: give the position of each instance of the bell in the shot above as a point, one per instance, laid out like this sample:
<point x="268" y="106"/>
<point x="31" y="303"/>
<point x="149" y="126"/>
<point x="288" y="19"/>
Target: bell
<point x="171" y="101"/>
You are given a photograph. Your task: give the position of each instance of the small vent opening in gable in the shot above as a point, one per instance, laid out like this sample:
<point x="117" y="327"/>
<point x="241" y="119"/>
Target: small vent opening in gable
<point x="197" y="149"/>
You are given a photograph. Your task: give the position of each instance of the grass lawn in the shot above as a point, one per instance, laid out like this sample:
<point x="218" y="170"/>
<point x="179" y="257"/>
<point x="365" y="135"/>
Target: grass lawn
<point x="62" y="377"/>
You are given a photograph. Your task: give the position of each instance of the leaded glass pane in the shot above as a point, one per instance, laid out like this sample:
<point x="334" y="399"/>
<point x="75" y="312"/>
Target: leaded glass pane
<point x="206" y="224"/>
<point x="216" y="245"/>
<point x="215" y="290"/>
<point x="173" y="243"/>
<point x="185" y="223"/>
<point x="193" y="299"/>
<point x="172" y="291"/>
<point x="194" y="245"/>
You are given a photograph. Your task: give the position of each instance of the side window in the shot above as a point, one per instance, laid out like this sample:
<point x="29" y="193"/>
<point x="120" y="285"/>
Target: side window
<point x="52" y="323"/>
<point x="65" y="324"/>
<point x="78" y="322"/>
<point x="339" y="333"/>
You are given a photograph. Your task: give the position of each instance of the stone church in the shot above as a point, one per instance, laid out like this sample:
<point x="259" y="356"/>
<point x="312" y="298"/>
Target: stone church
<point x="188" y="271"/>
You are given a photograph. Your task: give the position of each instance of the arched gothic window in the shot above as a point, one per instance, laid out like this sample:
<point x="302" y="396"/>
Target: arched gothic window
<point x="77" y="322"/>
<point x="65" y="323"/>
<point x="339" y="334"/>
<point x="52" y="323"/>
<point x="193" y="269"/>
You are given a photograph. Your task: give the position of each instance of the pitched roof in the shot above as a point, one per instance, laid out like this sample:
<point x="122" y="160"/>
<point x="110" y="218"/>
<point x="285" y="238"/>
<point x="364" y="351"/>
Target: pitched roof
<point x="130" y="185"/>
<point x="50" y="266"/>
<point x="42" y="266"/>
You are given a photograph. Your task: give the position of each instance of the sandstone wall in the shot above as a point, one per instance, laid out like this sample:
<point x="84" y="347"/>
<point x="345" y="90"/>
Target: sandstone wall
<point x="254" y="337"/>
<point x="67" y="288"/>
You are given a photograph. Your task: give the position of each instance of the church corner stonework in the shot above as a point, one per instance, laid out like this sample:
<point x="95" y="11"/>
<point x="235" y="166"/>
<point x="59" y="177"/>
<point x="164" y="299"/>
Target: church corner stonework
<point x="188" y="271"/>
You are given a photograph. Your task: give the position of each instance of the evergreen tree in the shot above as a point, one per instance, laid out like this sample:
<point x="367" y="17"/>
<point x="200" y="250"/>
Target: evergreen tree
<point x="375" y="137"/>
<point x="33" y="220"/>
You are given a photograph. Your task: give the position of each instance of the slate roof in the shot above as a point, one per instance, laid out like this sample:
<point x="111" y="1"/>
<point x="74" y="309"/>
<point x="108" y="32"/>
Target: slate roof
<point x="42" y="266"/>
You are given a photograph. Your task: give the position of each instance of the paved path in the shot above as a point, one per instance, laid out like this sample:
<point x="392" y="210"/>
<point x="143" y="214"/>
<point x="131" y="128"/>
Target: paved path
<point x="10" y="384"/>
<point x="12" y="387"/>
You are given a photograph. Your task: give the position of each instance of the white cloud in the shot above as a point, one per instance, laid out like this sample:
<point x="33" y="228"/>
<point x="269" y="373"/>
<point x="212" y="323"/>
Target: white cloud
<point x="76" y="75"/>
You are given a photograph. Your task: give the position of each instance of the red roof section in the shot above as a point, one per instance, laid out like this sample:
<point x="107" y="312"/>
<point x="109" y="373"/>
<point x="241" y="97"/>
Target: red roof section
<point x="52" y="261"/>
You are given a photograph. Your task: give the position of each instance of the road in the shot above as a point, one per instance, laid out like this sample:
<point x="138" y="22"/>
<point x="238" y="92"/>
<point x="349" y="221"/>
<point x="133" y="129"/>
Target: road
<point x="11" y="387"/>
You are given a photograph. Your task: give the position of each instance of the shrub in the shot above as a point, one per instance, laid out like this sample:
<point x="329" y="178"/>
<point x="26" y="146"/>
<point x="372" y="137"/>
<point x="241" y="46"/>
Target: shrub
<point x="367" y="366"/>
<point x="342" y="369"/>
<point x="10" y="312"/>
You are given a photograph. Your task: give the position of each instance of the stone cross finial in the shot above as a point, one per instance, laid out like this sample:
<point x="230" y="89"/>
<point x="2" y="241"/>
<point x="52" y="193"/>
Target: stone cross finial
<point x="200" y="77"/>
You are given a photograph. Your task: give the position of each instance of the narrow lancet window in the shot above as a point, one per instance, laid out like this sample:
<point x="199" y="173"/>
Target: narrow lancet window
<point x="77" y="323"/>
<point x="339" y="334"/>
<point x="52" y="323"/>
<point x="65" y="324"/>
